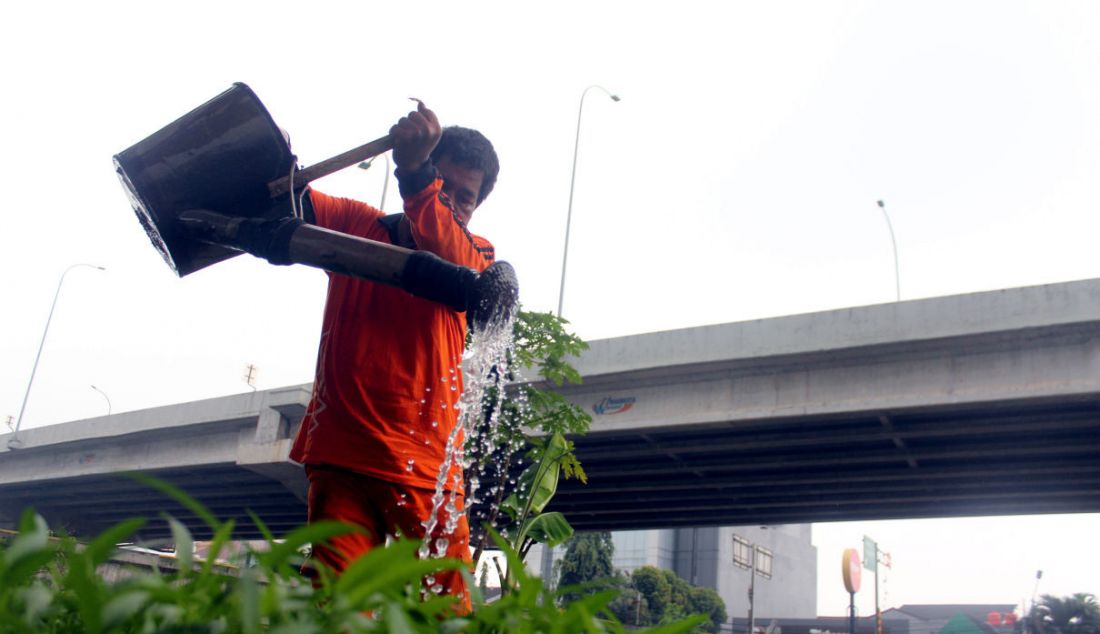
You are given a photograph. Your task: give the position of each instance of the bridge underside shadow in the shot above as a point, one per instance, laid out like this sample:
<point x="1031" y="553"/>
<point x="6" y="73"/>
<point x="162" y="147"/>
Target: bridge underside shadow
<point x="1007" y="459"/>
<point x="89" y="505"/>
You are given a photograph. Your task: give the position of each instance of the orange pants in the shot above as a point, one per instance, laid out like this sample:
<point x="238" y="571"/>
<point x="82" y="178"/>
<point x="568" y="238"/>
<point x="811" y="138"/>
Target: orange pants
<point x="382" y="508"/>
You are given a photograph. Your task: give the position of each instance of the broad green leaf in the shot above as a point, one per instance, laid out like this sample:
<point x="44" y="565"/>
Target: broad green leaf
<point x="316" y="533"/>
<point x="224" y="532"/>
<point x="582" y="612"/>
<point x="31" y="522"/>
<point x="360" y="570"/>
<point x="542" y="480"/>
<point x="104" y="545"/>
<point x="33" y="537"/>
<point x="27" y="562"/>
<point x="511" y="505"/>
<point x="249" y="593"/>
<point x="389" y="570"/>
<point x="549" y="528"/>
<point x="185" y="545"/>
<point x="83" y="583"/>
<point x="122" y="607"/>
<point x="436" y="606"/>
<point x="397" y="620"/>
<point x="36" y="600"/>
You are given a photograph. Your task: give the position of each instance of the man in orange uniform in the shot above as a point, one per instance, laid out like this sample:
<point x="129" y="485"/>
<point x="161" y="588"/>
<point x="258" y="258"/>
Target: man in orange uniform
<point x="389" y="366"/>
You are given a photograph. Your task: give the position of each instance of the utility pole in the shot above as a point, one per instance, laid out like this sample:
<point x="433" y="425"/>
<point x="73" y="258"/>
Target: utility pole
<point x="752" y="588"/>
<point x="250" y="376"/>
<point x="872" y="556"/>
<point x="745" y="554"/>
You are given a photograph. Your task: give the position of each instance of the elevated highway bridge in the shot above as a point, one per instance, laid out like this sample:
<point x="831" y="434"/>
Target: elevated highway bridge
<point x="979" y="404"/>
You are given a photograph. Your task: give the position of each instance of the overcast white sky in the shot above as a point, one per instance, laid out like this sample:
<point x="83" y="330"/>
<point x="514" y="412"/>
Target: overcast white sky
<point x="736" y="179"/>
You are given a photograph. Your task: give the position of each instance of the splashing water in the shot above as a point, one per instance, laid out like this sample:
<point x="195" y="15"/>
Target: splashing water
<point x="485" y="368"/>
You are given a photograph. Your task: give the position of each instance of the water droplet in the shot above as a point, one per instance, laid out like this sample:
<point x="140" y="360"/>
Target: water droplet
<point x="409" y="466"/>
<point x="441" y="545"/>
<point x="435" y="423"/>
<point x="437" y="588"/>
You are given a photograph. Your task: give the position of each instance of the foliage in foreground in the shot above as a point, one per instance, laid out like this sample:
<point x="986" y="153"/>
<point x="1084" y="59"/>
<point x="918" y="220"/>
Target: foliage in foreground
<point x="51" y="585"/>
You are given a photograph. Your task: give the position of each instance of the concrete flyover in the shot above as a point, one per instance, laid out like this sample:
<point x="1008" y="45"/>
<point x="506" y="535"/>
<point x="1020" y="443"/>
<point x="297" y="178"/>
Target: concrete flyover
<point x="978" y="404"/>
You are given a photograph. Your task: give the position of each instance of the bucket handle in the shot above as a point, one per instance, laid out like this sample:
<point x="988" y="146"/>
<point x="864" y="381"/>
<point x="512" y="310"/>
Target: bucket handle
<point x="282" y="185"/>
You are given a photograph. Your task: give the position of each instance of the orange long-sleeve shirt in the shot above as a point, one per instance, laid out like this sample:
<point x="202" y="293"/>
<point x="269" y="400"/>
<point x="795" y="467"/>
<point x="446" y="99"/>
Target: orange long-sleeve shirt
<point x="389" y="365"/>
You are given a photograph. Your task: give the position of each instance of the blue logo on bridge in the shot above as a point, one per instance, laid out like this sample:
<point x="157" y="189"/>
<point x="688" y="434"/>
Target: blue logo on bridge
<point x="610" y="405"/>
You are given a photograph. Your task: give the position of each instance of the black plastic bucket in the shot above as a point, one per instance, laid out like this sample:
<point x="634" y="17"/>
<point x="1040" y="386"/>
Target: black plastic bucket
<point x="220" y="157"/>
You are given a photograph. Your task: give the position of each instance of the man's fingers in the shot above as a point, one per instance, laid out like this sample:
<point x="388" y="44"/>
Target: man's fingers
<point x="415" y="135"/>
<point x="410" y="125"/>
<point x="426" y="112"/>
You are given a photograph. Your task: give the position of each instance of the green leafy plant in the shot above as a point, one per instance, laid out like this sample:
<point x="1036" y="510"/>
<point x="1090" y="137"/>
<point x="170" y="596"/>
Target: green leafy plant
<point x="537" y="486"/>
<point x="532" y="427"/>
<point x="50" y="584"/>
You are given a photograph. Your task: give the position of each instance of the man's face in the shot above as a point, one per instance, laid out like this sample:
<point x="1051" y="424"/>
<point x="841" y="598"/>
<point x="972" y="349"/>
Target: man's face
<point x="462" y="185"/>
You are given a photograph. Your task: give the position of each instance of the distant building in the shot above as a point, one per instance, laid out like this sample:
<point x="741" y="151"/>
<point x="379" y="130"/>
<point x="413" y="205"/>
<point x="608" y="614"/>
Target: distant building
<point x="719" y="558"/>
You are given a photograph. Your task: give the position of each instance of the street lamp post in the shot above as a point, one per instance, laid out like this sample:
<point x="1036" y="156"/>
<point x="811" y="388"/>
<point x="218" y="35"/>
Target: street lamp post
<point x="894" y="243"/>
<point x="572" y="183"/>
<point x="105" y="397"/>
<point x="14" y="441"/>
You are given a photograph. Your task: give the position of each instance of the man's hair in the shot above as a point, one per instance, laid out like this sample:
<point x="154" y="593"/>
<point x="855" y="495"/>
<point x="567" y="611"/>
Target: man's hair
<point x="470" y="149"/>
